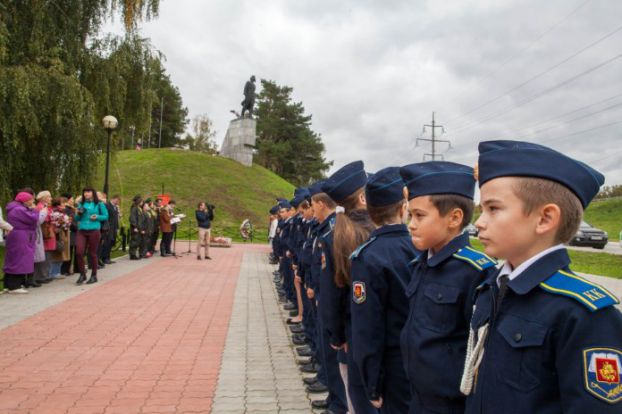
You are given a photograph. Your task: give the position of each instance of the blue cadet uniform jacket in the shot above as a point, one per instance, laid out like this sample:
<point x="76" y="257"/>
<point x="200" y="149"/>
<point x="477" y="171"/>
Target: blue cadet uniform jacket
<point x="306" y="253"/>
<point x="555" y="345"/>
<point x="318" y="259"/>
<point x="434" y="339"/>
<point x="379" y="308"/>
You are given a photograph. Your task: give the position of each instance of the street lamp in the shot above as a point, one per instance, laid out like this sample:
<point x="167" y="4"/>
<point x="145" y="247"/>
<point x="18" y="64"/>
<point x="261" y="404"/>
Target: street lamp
<point x="109" y="122"/>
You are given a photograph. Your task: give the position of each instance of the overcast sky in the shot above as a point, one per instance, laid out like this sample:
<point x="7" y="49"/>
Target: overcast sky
<point x="372" y="72"/>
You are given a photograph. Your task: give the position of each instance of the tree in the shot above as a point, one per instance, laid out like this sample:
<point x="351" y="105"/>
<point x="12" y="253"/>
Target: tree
<point x="57" y="81"/>
<point x="202" y="139"/>
<point x="286" y="144"/>
<point x="610" y="191"/>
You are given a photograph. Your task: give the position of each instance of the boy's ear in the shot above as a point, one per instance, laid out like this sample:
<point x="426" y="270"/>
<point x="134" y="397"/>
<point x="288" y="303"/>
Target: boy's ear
<point x="549" y="218"/>
<point x="455" y="217"/>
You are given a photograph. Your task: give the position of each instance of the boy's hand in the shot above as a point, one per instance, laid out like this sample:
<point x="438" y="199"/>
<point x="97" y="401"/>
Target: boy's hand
<point x="310" y="293"/>
<point x="377" y="403"/>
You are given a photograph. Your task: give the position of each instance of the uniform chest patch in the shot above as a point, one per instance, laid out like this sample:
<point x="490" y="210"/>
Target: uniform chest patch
<point x="359" y="294"/>
<point x="601" y="369"/>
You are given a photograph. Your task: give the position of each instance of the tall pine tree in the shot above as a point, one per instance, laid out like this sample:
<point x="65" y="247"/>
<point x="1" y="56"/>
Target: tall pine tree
<point x="286" y="144"/>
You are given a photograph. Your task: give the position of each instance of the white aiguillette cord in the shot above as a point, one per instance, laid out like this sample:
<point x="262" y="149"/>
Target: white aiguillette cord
<point x="474" y="356"/>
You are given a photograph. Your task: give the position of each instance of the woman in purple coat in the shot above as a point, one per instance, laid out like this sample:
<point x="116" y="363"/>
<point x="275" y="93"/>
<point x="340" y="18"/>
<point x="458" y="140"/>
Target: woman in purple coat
<point x="20" y="243"/>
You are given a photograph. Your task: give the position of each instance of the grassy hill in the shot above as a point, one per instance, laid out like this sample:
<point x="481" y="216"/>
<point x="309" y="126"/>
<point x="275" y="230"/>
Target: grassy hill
<point x="606" y="215"/>
<point x="238" y="192"/>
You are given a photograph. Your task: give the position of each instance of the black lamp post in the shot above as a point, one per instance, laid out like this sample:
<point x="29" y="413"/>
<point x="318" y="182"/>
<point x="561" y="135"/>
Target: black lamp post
<point x="110" y="123"/>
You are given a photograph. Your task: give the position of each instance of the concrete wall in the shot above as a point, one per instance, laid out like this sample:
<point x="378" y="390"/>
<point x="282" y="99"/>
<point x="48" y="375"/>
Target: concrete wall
<point x="240" y="141"/>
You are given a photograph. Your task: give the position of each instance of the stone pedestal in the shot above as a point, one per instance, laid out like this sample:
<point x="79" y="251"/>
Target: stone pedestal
<point x="239" y="141"/>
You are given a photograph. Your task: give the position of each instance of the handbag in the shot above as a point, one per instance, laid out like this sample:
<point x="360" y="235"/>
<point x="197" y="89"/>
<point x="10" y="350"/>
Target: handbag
<point x="60" y="246"/>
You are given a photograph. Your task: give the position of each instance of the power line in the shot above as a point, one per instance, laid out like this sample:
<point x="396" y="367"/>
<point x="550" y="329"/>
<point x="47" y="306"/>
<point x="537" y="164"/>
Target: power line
<point x="544" y="92"/>
<point x="619" y="104"/>
<point x="557" y="117"/>
<point x="550" y="69"/>
<point x="520" y="52"/>
<point x="581" y="132"/>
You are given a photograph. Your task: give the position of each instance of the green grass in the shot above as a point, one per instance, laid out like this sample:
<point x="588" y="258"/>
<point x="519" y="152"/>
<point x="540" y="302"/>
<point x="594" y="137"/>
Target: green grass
<point x="606" y="215"/>
<point x="238" y="192"/>
<point x="601" y="264"/>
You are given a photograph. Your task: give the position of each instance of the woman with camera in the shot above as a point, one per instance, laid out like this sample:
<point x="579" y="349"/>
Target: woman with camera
<point x="204" y="216"/>
<point x="90" y="214"/>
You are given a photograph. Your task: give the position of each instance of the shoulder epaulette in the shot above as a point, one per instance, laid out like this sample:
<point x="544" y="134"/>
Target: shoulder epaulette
<point x="475" y="258"/>
<point x="590" y="295"/>
<point x="359" y="249"/>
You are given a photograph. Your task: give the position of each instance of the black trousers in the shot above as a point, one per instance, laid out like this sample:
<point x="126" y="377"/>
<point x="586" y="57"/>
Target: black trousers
<point x="165" y="244"/>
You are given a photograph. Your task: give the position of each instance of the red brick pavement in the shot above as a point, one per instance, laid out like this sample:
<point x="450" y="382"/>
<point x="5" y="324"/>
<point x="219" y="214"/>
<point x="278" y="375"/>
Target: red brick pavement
<point x="148" y="342"/>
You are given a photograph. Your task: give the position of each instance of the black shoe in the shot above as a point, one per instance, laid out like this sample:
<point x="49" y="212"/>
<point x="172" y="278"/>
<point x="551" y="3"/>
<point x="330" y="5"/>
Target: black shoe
<point x="134" y="257"/>
<point x="289" y="306"/>
<point x="299" y="340"/>
<point x="303" y="348"/>
<point x="208" y="258"/>
<point x="309" y="369"/>
<point x="81" y="279"/>
<point x="296" y="329"/>
<point x="305" y="353"/>
<point x="199" y="258"/>
<point x="319" y="404"/>
<point x="92" y="279"/>
<point x="45" y="281"/>
<point x="109" y="262"/>
<point x="316" y="388"/>
<point x="100" y="266"/>
<point x="290" y="321"/>
<point x="293" y="313"/>
<point x="310" y="380"/>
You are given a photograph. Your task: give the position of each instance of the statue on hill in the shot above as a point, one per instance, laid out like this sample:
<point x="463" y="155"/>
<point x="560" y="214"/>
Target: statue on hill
<point x="249" y="97"/>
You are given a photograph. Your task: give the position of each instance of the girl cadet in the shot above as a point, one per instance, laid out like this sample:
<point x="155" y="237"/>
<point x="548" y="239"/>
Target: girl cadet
<point x="352" y="228"/>
<point x="379" y="305"/>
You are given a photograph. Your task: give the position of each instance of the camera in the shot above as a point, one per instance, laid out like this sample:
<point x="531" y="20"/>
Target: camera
<point x="211" y="206"/>
<point x="81" y="210"/>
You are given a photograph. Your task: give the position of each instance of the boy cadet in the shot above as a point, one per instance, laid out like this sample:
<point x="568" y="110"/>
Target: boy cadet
<point x="444" y="279"/>
<point x="551" y="340"/>
<point x="324" y="212"/>
<point x="379" y="306"/>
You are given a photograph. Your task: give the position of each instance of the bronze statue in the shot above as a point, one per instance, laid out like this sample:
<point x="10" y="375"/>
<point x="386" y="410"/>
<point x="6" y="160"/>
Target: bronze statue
<point x="249" y="97"/>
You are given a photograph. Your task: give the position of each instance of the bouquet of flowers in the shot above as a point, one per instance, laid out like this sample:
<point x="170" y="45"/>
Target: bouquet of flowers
<point x="60" y="220"/>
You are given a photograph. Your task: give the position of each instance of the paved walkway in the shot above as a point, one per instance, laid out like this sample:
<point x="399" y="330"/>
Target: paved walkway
<point x="258" y="373"/>
<point x="148" y="342"/>
<point x="158" y="336"/>
<point x="15" y="308"/>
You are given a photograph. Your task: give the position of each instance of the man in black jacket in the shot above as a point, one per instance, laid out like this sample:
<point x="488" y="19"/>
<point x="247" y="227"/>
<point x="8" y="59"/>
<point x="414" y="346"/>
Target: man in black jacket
<point x="111" y="236"/>
<point x="204" y="216"/>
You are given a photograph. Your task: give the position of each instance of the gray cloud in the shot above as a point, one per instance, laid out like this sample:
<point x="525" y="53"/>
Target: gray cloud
<point x="371" y="72"/>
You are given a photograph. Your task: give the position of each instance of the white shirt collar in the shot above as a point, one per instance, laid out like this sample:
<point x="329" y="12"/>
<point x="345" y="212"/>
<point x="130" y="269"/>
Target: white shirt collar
<point x="513" y="274"/>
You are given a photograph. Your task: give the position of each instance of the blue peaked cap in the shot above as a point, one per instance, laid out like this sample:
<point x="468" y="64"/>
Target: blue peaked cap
<point x="345" y="181"/>
<point x="526" y="159"/>
<point x="438" y="177"/>
<point x="284" y="204"/>
<point x="274" y="209"/>
<point x="385" y="187"/>
<point x="315" y="188"/>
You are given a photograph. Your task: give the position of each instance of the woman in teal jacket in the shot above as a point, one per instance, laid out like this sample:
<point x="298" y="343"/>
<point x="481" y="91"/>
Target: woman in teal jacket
<point x="90" y="214"/>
